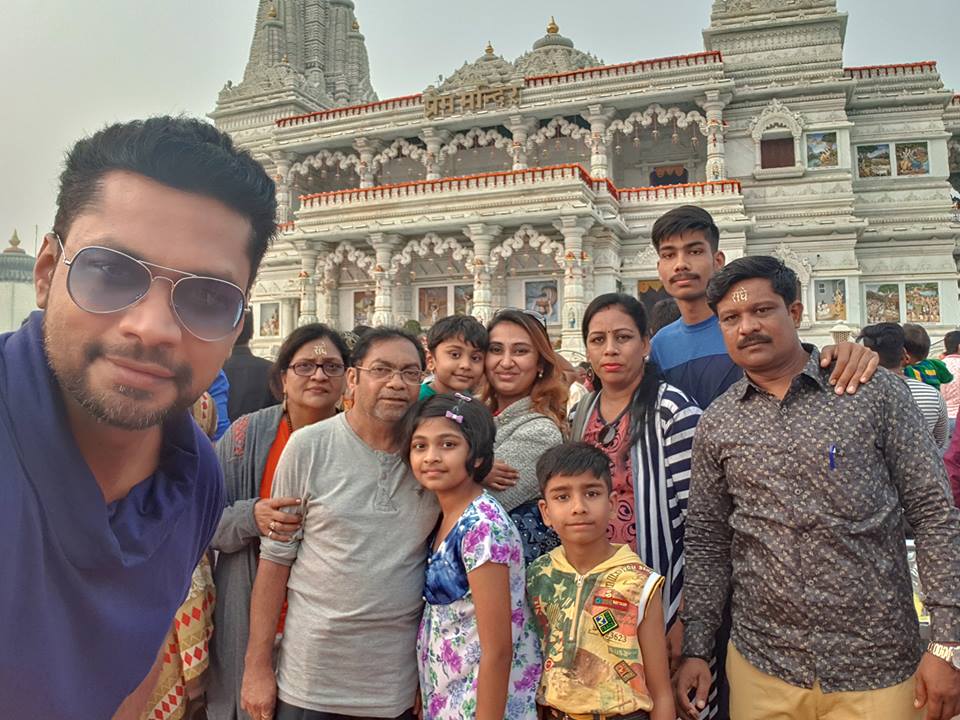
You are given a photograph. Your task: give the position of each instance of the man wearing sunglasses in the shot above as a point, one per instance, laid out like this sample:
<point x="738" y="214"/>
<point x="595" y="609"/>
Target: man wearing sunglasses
<point x="111" y="492"/>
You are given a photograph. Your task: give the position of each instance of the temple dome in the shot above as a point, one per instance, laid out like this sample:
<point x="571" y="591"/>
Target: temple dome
<point x="552" y="54"/>
<point x="15" y="264"/>
<point x="488" y="69"/>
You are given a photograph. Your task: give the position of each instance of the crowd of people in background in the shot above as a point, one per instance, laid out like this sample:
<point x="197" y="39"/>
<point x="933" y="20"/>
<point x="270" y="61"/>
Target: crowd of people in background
<point x="705" y="519"/>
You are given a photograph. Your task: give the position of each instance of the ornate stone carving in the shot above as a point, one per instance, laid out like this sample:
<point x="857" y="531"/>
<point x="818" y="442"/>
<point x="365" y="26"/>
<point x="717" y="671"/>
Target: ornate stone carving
<point x="327" y="263"/>
<point x="475" y="137"/>
<point x="321" y="159"/>
<point x="662" y="117"/>
<point x="399" y="148"/>
<point x="646" y="257"/>
<point x="431" y="242"/>
<point x="553" y="54"/>
<point x="528" y="235"/>
<point x="488" y="69"/>
<point x="789" y="257"/>
<point x="774" y="116"/>
<point x="558" y="126"/>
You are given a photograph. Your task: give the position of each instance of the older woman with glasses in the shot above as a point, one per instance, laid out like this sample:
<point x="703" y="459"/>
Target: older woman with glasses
<point x="645" y="426"/>
<point x="308" y="378"/>
<point x="527" y="393"/>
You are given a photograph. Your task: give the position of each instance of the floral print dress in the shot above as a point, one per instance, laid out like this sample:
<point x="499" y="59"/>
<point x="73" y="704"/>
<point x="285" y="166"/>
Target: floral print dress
<point x="448" y="644"/>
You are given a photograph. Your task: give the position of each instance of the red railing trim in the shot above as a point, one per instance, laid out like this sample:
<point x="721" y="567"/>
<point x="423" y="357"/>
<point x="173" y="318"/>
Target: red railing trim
<point x="893" y="69"/>
<point x="532" y="81"/>
<point x="708" y="187"/>
<point x="708" y="56"/>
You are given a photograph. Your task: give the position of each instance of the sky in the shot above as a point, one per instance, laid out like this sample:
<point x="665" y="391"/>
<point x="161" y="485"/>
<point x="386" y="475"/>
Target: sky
<point x="71" y="67"/>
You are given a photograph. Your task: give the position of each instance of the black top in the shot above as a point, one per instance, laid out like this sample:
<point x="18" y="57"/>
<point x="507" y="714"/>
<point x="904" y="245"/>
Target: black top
<point x="249" y="387"/>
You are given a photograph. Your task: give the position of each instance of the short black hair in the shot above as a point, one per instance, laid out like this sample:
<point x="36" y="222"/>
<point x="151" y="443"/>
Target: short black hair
<point x="783" y="280"/>
<point x="916" y="341"/>
<point x="573" y="458"/>
<point x="296" y="340"/>
<point x="180" y="152"/>
<point x="682" y="219"/>
<point x="453" y="326"/>
<point x="476" y="426"/>
<point x="372" y="336"/>
<point x="885" y="339"/>
<point x="662" y="314"/>
<point x="246" y="332"/>
<point x="584" y="365"/>
<point x="951" y="342"/>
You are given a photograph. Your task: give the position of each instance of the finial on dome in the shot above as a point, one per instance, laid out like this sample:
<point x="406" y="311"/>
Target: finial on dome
<point x="272" y="12"/>
<point x="356" y="25"/>
<point x="14" y="245"/>
<point x="553" y="28"/>
<point x="489" y="49"/>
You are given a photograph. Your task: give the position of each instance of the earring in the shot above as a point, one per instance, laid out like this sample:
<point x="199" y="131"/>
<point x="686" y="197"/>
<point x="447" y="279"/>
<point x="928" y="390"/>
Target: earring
<point x="283" y="406"/>
<point x="540" y="373"/>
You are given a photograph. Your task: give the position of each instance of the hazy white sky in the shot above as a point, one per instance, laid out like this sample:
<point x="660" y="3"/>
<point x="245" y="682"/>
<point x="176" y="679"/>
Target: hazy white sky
<point x="70" y="67"/>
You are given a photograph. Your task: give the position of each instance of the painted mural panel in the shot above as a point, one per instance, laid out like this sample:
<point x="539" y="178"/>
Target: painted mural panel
<point x="543" y="297"/>
<point x="269" y="319"/>
<point x="831" y="299"/>
<point x="874" y="160"/>
<point x="463" y="299"/>
<point x="363" y="304"/>
<point x="923" y="302"/>
<point x="883" y="303"/>
<point x="913" y="159"/>
<point x="431" y="304"/>
<point x="822" y="150"/>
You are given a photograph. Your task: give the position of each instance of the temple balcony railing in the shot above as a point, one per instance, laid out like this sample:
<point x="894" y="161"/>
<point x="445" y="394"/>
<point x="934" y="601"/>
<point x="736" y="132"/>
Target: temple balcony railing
<point x="514" y="196"/>
<point x="656" y="80"/>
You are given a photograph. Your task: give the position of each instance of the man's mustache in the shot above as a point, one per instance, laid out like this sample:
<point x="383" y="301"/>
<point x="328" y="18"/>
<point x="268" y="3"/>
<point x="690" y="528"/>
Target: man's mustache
<point x="755" y="339"/>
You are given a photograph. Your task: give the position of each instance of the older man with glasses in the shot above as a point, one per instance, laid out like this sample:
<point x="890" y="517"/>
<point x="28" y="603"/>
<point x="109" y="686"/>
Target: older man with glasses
<point x="110" y="490"/>
<point x="353" y="577"/>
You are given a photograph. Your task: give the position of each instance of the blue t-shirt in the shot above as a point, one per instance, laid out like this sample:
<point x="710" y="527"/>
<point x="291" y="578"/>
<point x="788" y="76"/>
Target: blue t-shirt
<point x="220" y="390"/>
<point x="694" y="359"/>
<point x="88" y="590"/>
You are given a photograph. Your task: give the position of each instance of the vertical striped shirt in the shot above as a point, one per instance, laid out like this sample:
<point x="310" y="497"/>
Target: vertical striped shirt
<point x="932" y="407"/>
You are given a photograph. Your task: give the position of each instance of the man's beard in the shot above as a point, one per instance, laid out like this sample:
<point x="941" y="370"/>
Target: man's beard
<point x="124" y="407"/>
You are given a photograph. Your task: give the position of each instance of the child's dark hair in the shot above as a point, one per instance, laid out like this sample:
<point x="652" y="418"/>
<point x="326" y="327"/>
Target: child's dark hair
<point x="951" y="342"/>
<point x="452" y="326"/>
<point x="916" y="341"/>
<point x="470" y="415"/>
<point x="573" y="458"/>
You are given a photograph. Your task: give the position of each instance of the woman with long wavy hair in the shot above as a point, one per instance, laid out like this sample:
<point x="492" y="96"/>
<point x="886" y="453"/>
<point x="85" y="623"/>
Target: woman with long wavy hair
<point x="527" y="394"/>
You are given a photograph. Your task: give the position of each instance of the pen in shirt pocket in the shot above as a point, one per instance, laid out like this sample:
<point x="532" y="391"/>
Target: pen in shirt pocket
<point x="832" y="456"/>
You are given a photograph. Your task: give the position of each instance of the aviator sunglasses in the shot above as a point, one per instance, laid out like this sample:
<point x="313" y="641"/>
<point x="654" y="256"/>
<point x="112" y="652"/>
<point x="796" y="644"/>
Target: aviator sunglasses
<point x="102" y="281"/>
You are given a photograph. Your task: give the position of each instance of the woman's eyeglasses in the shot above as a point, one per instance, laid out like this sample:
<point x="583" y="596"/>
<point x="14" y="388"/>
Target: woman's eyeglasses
<point x="102" y="281"/>
<point x="306" y="368"/>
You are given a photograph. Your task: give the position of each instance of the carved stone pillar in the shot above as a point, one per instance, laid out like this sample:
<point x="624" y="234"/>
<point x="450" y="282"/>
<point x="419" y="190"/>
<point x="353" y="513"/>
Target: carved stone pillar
<point x="482" y="237"/>
<point x="605" y="265"/>
<point x="308" y="279"/>
<point x="435" y="140"/>
<point x="599" y="118"/>
<point x="521" y="128"/>
<point x="573" y="229"/>
<point x="366" y="149"/>
<point x="284" y="194"/>
<point x="328" y="293"/>
<point x="713" y="105"/>
<point x="589" y="245"/>
<point x="383" y="245"/>
<point x="288" y="318"/>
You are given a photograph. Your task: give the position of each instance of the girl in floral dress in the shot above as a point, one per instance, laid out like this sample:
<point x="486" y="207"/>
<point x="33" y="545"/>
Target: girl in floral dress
<point x="477" y="648"/>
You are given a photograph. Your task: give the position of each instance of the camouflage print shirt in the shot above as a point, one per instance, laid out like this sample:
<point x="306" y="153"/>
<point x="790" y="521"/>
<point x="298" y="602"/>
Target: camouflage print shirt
<point x="798" y="506"/>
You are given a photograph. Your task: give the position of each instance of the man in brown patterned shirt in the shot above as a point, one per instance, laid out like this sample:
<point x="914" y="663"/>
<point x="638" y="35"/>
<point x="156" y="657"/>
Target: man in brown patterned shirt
<point x="797" y="503"/>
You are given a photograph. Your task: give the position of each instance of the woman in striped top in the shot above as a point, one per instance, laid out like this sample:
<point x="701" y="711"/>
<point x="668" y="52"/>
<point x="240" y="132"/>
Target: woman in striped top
<point x="645" y="426"/>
